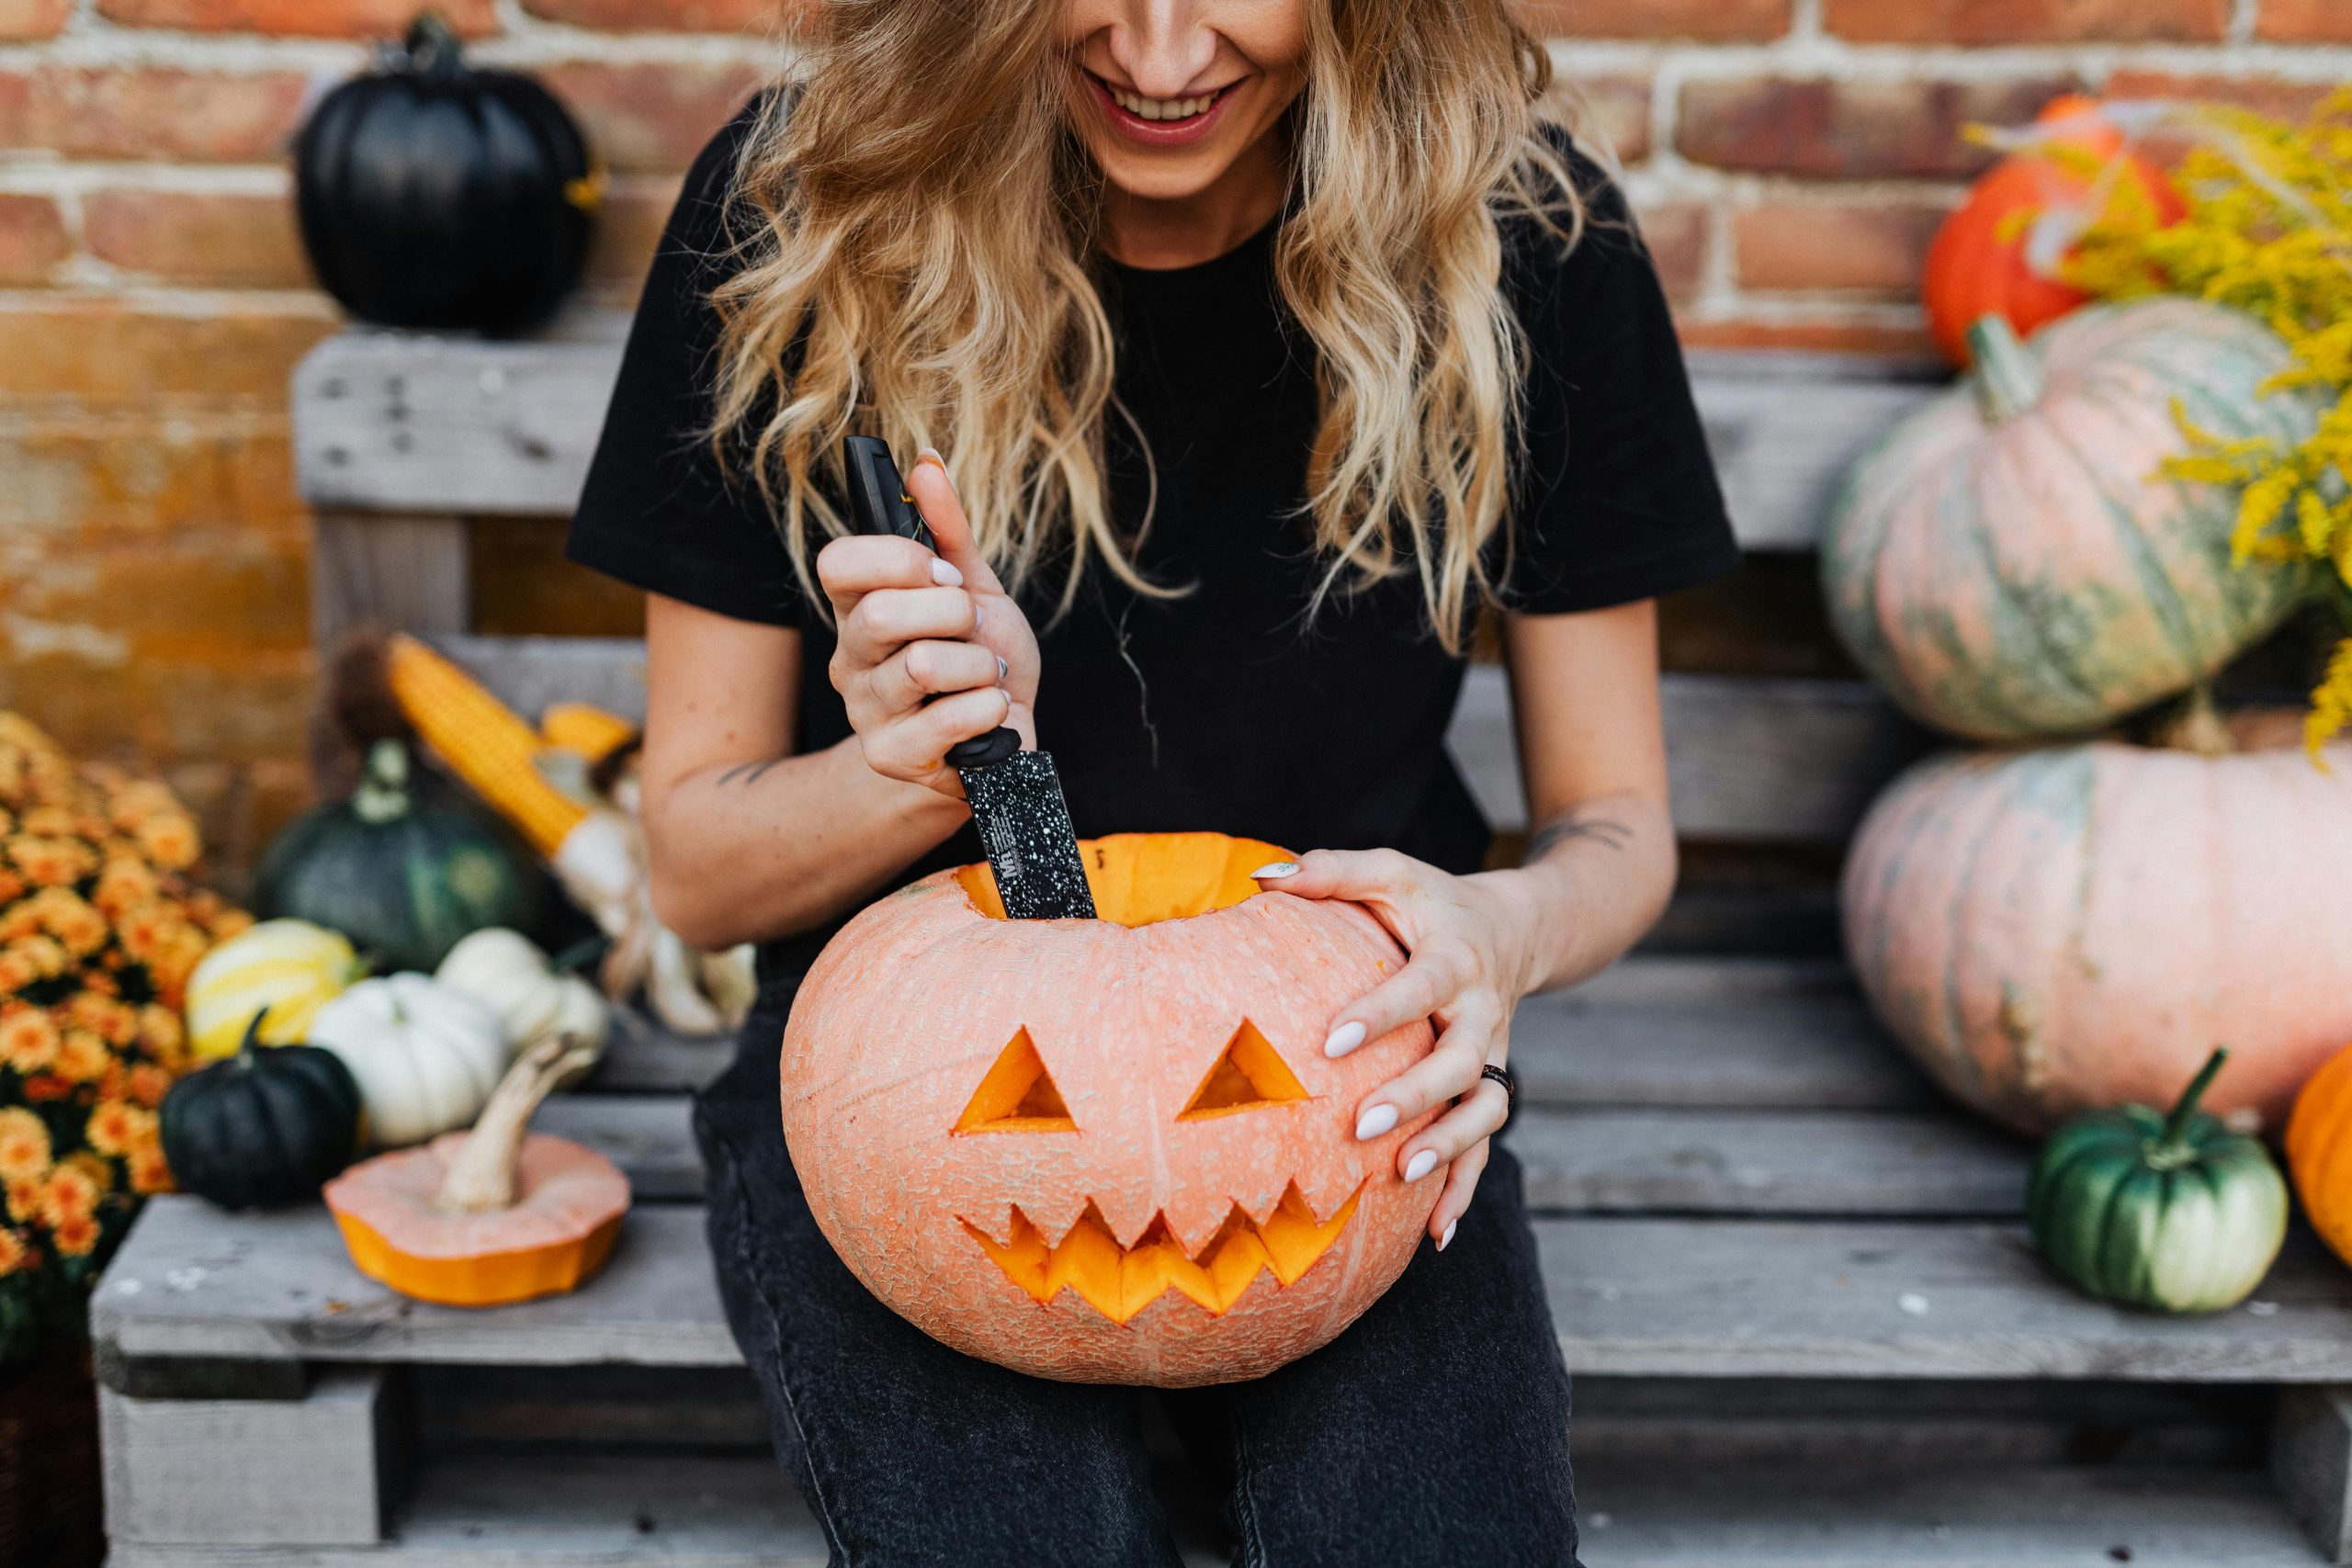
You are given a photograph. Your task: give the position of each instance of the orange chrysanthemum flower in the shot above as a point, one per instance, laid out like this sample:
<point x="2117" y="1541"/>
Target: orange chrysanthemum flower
<point x="125" y="882"/>
<point x="82" y="1057"/>
<point x="170" y="841"/>
<point x="67" y="916"/>
<point x="51" y="863"/>
<point x="117" y="1126"/>
<point x="96" y="1011"/>
<point x="29" y="1039"/>
<point x="13" y="1252"/>
<point x="46" y="955"/>
<point x="74" y="1235"/>
<point x="24" y="1143"/>
<point x="67" y="1192"/>
<point x="149" y="1172"/>
<point x="23" y="1198"/>
<point x="148" y="1084"/>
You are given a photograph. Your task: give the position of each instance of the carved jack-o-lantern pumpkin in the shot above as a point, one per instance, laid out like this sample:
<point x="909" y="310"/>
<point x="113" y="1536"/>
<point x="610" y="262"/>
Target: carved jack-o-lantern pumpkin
<point x="1113" y="1150"/>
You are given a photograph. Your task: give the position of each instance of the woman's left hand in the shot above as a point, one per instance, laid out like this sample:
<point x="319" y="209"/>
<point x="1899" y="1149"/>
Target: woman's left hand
<point x="1467" y="969"/>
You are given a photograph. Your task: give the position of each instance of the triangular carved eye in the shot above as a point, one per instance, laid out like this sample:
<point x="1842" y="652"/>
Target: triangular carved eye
<point x="1018" y="1094"/>
<point x="1249" y="1073"/>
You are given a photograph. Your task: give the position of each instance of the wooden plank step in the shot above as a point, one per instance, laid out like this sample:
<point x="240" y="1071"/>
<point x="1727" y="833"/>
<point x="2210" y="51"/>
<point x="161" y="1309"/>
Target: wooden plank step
<point x="1751" y="759"/>
<point x="1739" y="1033"/>
<point x="1687" y="1516"/>
<point x="736" y="1511"/>
<point x="412" y="422"/>
<point x="1596" y="1161"/>
<point x="1631" y="1297"/>
<point x="1761" y="1420"/>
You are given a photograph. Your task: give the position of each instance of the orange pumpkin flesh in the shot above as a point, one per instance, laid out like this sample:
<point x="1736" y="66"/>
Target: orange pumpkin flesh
<point x="490" y="1216"/>
<point x="1108" y="1150"/>
<point x="558" y="1232"/>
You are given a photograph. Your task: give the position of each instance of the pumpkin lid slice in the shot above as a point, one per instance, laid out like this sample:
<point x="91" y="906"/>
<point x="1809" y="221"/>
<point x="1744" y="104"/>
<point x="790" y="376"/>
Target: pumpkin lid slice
<point x="493" y="1215"/>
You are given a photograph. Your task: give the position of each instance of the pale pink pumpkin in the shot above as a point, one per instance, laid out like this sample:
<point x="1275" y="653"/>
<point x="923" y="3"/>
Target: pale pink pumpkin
<point x="1102" y="1151"/>
<point x="2055" y="929"/>
<point x="2007" y="561"/>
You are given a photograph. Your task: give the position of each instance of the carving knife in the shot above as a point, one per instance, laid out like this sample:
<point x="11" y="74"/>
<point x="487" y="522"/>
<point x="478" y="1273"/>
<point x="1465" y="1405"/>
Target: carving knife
<point x="1016" y="795"/>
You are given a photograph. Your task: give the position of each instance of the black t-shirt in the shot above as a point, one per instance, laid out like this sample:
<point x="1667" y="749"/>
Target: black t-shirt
<point x="1227" y="708"/>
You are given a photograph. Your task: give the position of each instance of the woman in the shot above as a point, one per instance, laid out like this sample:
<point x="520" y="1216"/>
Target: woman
<point x="1265" y="340"/>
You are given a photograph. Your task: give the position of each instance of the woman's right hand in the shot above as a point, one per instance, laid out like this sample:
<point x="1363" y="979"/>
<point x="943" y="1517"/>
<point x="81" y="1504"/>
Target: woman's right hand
<point x="916" y="627"/>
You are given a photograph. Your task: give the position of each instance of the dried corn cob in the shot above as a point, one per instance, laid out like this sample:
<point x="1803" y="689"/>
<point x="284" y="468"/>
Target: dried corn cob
<point x="481" y="740"/>
<point x="586" y="728"/>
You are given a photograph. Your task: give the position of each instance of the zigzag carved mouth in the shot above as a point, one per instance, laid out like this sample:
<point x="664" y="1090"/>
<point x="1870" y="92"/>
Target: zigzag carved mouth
<point x="1120" y="1281"/>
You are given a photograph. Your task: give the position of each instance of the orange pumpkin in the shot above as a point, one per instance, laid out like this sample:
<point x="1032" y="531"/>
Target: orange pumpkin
<point x="1984" y="259"/>
<point x="2319" y="1153"/>
<point x="1112" y="1150"/>
<point x="495" y="1215"/>
<point x="2056" y="930"/>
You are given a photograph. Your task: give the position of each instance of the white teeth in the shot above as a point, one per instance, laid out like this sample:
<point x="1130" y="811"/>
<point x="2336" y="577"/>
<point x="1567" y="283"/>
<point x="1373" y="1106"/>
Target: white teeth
<point x="1160" y="109"/>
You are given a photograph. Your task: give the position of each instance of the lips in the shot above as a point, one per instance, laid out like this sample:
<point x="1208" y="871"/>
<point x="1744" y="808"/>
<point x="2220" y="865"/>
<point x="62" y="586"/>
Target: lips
<point x="1120" y="1281"/>
<point x="1157" y="132"/>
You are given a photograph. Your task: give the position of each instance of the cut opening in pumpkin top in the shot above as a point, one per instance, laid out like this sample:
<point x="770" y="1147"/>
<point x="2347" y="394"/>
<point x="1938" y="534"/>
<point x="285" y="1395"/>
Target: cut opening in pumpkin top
<point x="1138" y="878"/>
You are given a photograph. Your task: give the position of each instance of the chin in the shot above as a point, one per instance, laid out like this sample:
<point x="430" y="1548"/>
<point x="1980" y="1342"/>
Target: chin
<point x="1163" y="178"/>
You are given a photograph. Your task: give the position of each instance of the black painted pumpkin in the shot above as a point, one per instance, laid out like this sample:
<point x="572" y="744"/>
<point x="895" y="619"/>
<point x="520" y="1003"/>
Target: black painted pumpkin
<point x="263" y="1128"/>
<point x="432" y="195"/>
<point x="405" y="879"/>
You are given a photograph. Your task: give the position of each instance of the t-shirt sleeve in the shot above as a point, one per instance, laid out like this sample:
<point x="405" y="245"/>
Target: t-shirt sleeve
<point x="659" y="509"/>
<point x="1618" y="499"/>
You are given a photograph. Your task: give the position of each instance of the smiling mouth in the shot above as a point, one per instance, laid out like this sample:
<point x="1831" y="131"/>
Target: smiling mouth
<point x="1120" y="1281"/>
<point x="1165" y="113"/>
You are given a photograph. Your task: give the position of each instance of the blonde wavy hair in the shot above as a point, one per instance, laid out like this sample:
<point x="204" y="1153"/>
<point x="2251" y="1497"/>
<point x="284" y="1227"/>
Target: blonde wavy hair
<point x="915" y="231"/>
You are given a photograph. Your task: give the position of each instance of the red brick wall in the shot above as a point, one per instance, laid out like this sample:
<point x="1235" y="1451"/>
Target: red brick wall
<point x="1791" y="157"/>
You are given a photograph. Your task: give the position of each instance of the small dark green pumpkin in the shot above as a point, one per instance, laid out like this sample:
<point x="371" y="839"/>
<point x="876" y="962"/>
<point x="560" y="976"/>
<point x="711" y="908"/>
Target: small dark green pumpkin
<point x="2175" y="1213"/>
<point x="263" y="1128"/>
<point x="405" y="879"/>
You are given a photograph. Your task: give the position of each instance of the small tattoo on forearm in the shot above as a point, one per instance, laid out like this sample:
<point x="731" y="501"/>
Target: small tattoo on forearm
<point x="1558" y="832"/>
<point x="747" y="773"/>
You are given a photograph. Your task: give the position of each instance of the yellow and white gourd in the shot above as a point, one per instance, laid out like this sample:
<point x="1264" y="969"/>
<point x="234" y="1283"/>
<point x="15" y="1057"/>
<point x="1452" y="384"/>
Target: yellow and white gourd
<point x="425" y="1056"/>
<point x="289" y="968"/>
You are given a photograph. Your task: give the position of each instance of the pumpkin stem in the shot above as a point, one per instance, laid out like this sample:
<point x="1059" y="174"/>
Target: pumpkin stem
<point x="2006" y="377"/>
<point x="244" y="1057"/>
<point x="482" y="1176"/>
<point x="382" y="794"/>
<point x="2196" y="726"/>
<point x="2174" y="1143"/>
<point x="432" y="45"/>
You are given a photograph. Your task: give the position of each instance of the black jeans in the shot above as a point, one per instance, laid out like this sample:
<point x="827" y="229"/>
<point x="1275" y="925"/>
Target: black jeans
<point x="1434" y="1431"/>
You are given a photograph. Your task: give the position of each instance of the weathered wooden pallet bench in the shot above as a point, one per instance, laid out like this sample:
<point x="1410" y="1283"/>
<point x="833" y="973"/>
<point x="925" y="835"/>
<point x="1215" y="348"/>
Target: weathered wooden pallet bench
<point x="1807" y="1326"/>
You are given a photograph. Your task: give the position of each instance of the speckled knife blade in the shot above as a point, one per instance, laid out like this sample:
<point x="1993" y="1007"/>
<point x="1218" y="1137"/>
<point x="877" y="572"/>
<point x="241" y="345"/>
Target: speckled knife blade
<point x="1016" y="795"/>
<point x="1024" y="824"/>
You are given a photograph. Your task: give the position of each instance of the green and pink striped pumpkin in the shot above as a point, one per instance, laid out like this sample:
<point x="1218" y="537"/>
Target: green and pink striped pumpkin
<point x="2077" y="927"/>
<point x="2005" y="561"/>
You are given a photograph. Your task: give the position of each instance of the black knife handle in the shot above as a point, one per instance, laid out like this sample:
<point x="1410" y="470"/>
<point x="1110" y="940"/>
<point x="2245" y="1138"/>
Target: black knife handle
<point x="878" y="504"/>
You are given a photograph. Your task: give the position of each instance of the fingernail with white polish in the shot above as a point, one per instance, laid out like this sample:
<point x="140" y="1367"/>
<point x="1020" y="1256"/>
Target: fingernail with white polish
<point x="1376" y="1121"/>
<point x="944" y="573"/>
<point x="980" y="617"/>
<point x="1274" y="870"/>
<point x="1002" y="669"/>
<point x="1448" y="1237"/>
<point x="1420" y="1165"/>
<point x="1344" y="1039"/>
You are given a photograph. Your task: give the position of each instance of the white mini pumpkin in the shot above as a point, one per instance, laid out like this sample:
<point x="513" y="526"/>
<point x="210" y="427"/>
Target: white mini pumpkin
<point x="425" y="1056"/>
<point x="507" y="973"/>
